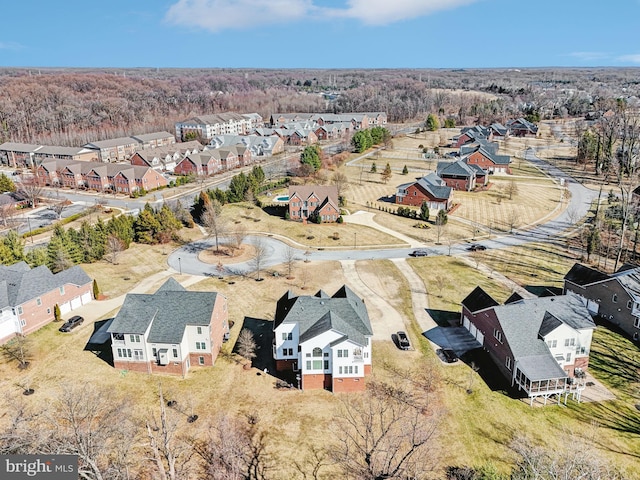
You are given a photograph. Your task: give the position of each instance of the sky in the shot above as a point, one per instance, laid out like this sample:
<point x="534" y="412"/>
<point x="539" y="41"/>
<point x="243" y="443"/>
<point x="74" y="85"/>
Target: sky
<point x="320" y="33"/>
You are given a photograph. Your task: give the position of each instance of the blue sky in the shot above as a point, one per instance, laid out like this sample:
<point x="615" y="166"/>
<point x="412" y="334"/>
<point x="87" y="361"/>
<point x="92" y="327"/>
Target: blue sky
<point x="320" y="33"/>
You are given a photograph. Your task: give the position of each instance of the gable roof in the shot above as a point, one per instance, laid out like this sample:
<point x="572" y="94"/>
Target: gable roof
<point x="457" y="168"/>
<point x="147" y="137"/>
<point x="478" y="300"/>
<point x="583" y="275"/>
<point x="344" y="312"/>
<point x="112" y="142"/>
<point x="432" y="185"/>
<point x="323" y="192"/>
<point x="19" y="283"/>
<point x="166" y="313"/>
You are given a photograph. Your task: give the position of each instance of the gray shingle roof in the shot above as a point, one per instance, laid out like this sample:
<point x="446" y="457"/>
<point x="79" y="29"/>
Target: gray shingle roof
<point x="19" y="283"/>
<point x="165" y="313"/>
<point x="478" y="300"/>
<point x="112" y="142"/>
<point x="152" y="136"/>
<point x="435" y="186"/>
<point x="344" y="312"/>
<point x="458" y="168"/>
<point x="583" y="275"/>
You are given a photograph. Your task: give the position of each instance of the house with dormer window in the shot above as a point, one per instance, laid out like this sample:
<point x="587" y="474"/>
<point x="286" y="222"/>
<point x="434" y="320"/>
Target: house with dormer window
<point x="540" y="345"/>
<point x="327" y="339"/>
<point x="311" y="202"/>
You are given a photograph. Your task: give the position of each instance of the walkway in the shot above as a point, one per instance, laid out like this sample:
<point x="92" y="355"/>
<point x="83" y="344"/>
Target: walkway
<point x="367" y="218"/>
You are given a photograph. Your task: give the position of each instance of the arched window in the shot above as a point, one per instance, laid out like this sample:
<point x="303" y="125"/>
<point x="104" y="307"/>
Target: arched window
<point x="317" y="352"/>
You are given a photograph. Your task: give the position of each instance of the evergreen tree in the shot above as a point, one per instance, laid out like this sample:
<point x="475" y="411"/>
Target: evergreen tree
<point x="442" y="218"/>
<point x="450" y="122"/>
<point x="432" y="124"/>
<point x="96" y="289"/>
<point x="121" y="227"/>
<point x="56" y="313"/>
<point x="311" y="156"/>
<point x="36" y="257"/>
<point x="405" y="170"/>
<point x="374" y="169"/>
<point x="237" y="188"/>
<point x="146" y="228"/>
<point x="424" y="211"/>
<point x="57" y="255"/>
<point x="6" y="184"/>
<point x="14" y="248"/>
<point x="200" y="204"/>
<point x="386" y="174"/>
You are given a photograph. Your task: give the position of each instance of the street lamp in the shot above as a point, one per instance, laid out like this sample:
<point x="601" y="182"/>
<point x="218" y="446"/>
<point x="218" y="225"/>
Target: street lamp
<point x="355" y="240"/>
<point x="180" y="265"/>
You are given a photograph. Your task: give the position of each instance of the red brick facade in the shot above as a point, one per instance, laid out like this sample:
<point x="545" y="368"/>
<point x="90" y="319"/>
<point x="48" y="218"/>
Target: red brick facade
<point x="345" y="385"/>
<point x="479" y="159"/>
<point x="316" y="381"/>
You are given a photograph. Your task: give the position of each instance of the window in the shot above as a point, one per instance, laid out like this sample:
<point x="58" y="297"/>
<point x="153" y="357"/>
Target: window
<point x="308" y="364"/>
<point x="345" y="353"/>
<point x="355" y="369"/>
<point x="366" y="354"/>
<point x="569" y="342"/>
<point x="62" y="290"/>
<point x="20" y="310"/>
<point x="339" y="353"/>
<point x="138" y="355"/>
<point x="508" y="363"/>
<point x="284" y="335"/>
<point x="568" y="357"/>
<point x="201" y="360"/>
<point x="317" y="352"/>
<point x="201" y="346"/>
<point x="572" y="342"/>
<point x="38" y="301"/>
<point x="134" y="338"/>
<point x="340" y="370"/>
<point x="581" y="350"/>
<point x="317" y="364"/>
<point x="154" y="352"/>
<point x="629" y="304"/>
<point x="175" y="353"/>
<point x="614" y="299"/>
<point x="290" y="336"/>
<point x="498" y="334"/>
<point x="326" y="354"/>
<point x="199" y="330"/>
<point x="307" y="355"/>
<point x="326" y="364"/>
<point x="636" y="322"/>
<point x="552" y="343"/>
<point x="48" y="311"/>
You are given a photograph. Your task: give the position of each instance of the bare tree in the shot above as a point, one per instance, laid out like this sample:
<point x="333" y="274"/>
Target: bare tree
<point x="238" y="234"/>
<point x="59" y="206"/>
<point x="232" y="450"/>
<point x="441" y="282"/>
<point x="246" y="344"/>
<point x="386" y="432"/>
<point x="213" y="222"/>
<point x="341" y="182"/>
<point x="312" y="463"/>
<point x="477" y="256"/>
<point x="113" y="248"/>
<point x="289" y="260"/>
<point x="31" y="190"/>
<point x="513" y="220"/>
<point x="511" y="189"/>
<point x="8" y="210"/>
<point x="259" y="256"/>
<point x="18" y="349"/>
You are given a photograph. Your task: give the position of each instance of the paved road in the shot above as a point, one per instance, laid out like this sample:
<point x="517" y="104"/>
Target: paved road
<point x="185" y="258"/>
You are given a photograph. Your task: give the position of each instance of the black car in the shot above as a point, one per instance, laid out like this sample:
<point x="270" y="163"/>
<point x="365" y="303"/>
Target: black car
<point x="72" y="323"/>
<point x="448" y="355"/>
<point x="419" y="253"/>
<point x="476" y="248"/>
<point x="403" y="340"/>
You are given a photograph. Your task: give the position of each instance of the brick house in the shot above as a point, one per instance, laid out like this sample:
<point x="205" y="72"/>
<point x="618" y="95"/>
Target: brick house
<point x="484" y="154"/>
<point x="154" y="140"/>
<point x="114" y="149"/>
<point x="461" y="176"/>
<point x="538" y="344"/>
<point x="472" y="134"/>
<point x="614" y="297"/>
<point x="327" y="339"/>
<point x="430" y="188"/>
<point x="521" y="127"/>
<point x="200" y="164"/>
<point x="169" y="331"/>
<point x="308" y="202"/>
<point x="28" y="296"/>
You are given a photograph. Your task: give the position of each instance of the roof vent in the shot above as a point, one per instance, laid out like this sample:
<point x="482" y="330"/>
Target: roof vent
<point x="321" y="302"/>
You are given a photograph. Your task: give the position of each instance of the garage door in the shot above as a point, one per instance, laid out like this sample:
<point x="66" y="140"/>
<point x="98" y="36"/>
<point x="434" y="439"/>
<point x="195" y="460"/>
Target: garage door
<point x="86" y="298"/>
<point x="480" y="337"/>
<point x="65" y="308"/>
<point x="472" y="329"/>
<point x="466" y="323"/>
<point x="75" y="303"/>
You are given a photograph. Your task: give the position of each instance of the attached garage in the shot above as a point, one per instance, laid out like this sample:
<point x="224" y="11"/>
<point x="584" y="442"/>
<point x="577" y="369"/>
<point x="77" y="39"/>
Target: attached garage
<point x="76" y="302"/>
<point x="86" y="298"/>
<point x="480" y="337"/>
<point x="593" y="307"/>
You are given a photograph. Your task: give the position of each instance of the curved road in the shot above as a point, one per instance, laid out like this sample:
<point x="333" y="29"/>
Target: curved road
<point x="185" y="259"/>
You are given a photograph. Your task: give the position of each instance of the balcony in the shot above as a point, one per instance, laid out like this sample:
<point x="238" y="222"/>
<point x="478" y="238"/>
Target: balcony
<point x="358" y="358"/>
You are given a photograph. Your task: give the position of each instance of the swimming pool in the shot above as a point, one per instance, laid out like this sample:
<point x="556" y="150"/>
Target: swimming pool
<point x="282" y="198"/>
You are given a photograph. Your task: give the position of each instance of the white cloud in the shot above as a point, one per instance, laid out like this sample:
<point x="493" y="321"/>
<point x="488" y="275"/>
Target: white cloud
<point x="589" y="56"/>
<point x="382" y="12"/>
<point x="633" y="58"/>
<point x="218" y="15"/>
<point x="10" y="46"/>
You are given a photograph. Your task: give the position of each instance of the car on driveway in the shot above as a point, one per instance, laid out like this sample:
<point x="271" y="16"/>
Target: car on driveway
<point x="403" y="340"/>
<point x="448" y="355"/>
<point x="72" y="323"/>
<point x="421" y="252"/>
<point x="476" y="248"/>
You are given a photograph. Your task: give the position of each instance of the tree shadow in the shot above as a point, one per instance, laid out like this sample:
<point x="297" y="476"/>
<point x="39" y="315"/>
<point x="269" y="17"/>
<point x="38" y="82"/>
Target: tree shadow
<point x="480" y="361"/>
<point x="543" y="290"/>
<point x="100" y="341"/>
<point x="262" y="331"/>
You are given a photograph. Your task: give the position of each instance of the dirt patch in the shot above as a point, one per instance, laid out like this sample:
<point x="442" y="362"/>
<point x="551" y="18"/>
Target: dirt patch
<point x="227" y="255"/>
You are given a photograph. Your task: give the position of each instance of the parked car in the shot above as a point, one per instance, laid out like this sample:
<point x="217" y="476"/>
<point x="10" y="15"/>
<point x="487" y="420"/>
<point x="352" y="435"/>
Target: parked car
<point x="421" y="252"/>
<point x="448" y="355"/>
<point x="476" y="248"/>
<point x="72" y="323"/>
<point x="403" y="340"/>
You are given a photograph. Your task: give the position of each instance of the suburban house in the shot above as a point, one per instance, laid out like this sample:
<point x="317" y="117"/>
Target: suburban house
<point x="28" y="296"/>
<point x="310" y="202"/>
<point x="200" y="164"/>
<point x="521" y="127"/>
<point x="208" y="126"/>
<point x="154" y="140"/>
<point x="472" y="134"/>
<point x="540" y="345"/>
<point x="484" y="154"/>
<point x="258" y="145"/>
<point x="114" y="149"/>
<point x="614" y="297"/>
<point x="326" y="339"/>
<point x="165" y="158"/>
<point x="123" y="178"/>
<point x="498" y="130"/>
<point x="27" y="155"/>
<point x="462" y="176"/>
<point x="430" y="188"/>
<point x="169" y="331"/>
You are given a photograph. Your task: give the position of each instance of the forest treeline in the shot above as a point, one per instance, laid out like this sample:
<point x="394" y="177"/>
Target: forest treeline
<point x="75" y="106"/>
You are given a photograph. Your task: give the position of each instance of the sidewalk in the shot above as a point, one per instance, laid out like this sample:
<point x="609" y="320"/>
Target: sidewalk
<point x="367" y="218"/>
